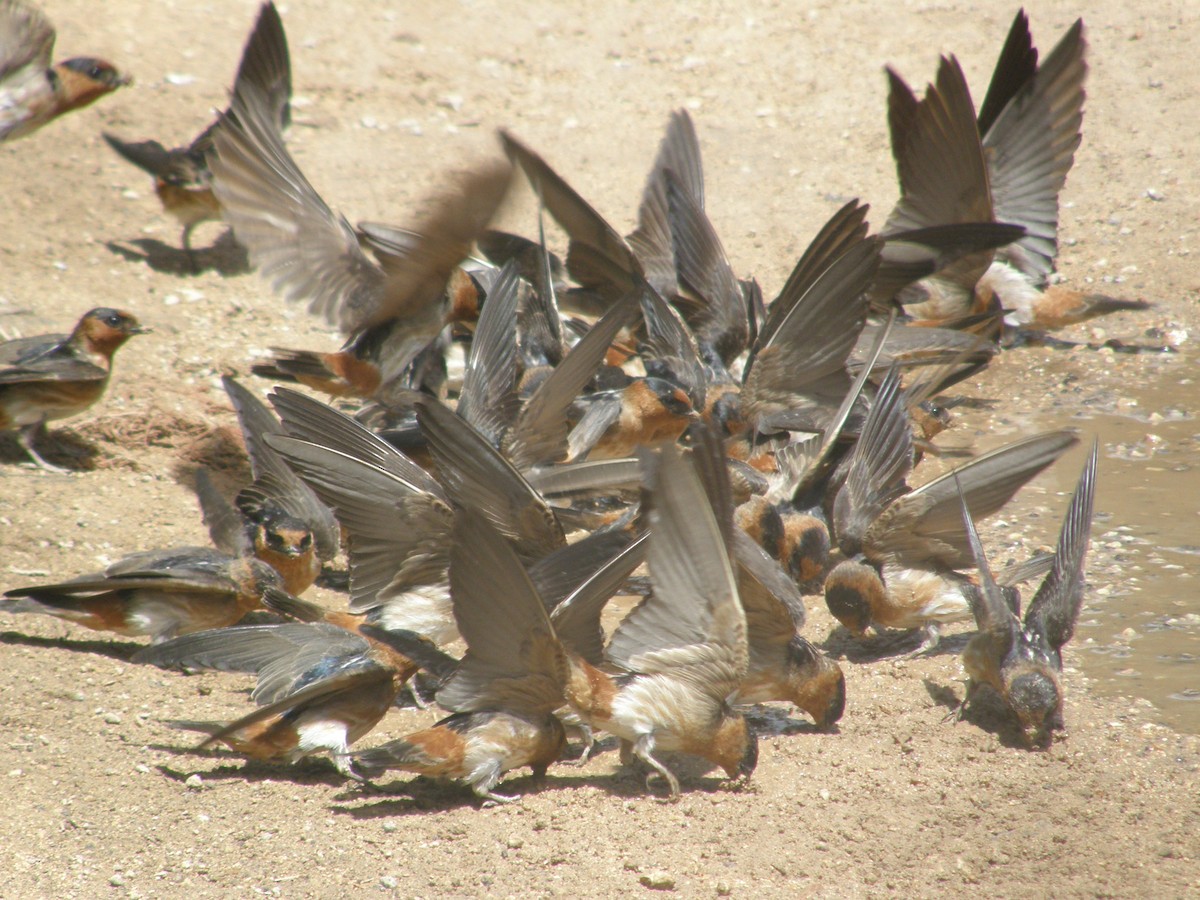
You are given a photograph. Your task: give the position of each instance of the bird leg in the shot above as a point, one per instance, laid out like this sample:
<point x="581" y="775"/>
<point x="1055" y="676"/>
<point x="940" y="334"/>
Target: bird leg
<point x="25" y="438"/>
<point x="186" y="240"/>
<point x="642" y="748"/>
<point x="931" y="634"/>
<point x="626" y="751"/>
<point x="589" y="744"/>
<point x="483" y="782"/>
<point x="957" y="714"/>
<point x="491" y="799"/>
<point x="345" y="765"/>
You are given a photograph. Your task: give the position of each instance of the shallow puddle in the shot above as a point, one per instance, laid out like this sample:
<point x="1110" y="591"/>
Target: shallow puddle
<point x="1139" y="633"/>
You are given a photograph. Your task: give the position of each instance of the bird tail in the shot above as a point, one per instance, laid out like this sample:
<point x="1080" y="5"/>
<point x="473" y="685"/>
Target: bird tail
<point x="149" y="156"/>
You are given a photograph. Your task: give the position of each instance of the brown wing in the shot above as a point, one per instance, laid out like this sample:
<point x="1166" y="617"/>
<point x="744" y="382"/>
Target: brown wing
<point x="1055" y="607"/>
<point x="882" y="458"/>
<point x="225" y="524"/>
<point x="539" y="434"/>
<point x="513" y="660"/>
<point x="940" y="164"/>
<point x="692" y="626"/>
<point x="300" y="246"/>
<point x="592" y="238"/>
<point x="925" y="527"/>
<point x="1015" y="66"/>
<point x="1030" y="149"/>
<point x="398" y="531"/>
<point x="266" y="64"/>
<point x="417" y="280"/>
<point x="26" y="38"/>
<point x="679" y="152"/>
<point x="476" y="475"/>
<point x="806" y="350"/>
<point x="286" y="658"/>
<point x="274" y="480"/>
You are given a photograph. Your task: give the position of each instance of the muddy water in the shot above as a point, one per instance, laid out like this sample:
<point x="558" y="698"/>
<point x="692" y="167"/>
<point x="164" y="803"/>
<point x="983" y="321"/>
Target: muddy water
<point x="1139" y="633"/>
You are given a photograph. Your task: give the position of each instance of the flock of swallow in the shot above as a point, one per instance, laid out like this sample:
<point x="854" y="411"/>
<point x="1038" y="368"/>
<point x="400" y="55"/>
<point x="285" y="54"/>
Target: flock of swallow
<point x="524" y="433"/>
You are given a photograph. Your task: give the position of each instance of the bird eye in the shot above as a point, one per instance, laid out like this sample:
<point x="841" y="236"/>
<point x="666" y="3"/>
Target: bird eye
<point x="95" y="72"/>
<point x="113" y="321"/>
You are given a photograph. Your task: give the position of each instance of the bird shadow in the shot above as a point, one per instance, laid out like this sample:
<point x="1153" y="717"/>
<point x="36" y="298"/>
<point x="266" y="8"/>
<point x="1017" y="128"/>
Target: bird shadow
<point x="418" y="795"/>
<point x="986" y="711"/>
<point x="422" y="793"/>
<point x="842" y="644"/>
<point x="122" y="652"/>
<point x="225" y="256"/>
<point x="774" y="721"/>
<point x="61" y="448"/>
<point x="334" y="579"/>
<point x="1034" y="338"/>
<point x="310" y="771"/>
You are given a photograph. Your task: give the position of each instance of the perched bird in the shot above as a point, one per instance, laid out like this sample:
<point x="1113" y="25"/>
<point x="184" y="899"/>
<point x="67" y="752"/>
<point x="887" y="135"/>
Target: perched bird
<point x="683" y="650"/>
<point x="507" y="686"/>
<point x="1022" y="661"/>
<point x="277" y="518"/>
<point x="321" y="687"/>
<point x="54" y="376"/>
<point x="1007" y="165"/>
<point x="903" y="546"/>
<point x="160" y="593"/>
<point x="181" y="175"/>
<point x="32" y="91"/>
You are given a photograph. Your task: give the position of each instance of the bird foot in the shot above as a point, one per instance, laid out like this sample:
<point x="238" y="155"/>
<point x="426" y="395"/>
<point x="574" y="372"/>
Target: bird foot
<point x="491" y="799"/>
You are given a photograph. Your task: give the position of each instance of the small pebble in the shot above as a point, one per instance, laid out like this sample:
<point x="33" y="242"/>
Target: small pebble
<point x="117" y="880"/>
<point x="194" y="783"/>
<point x="658" y="881"/>
<point x="1152" y="194"/>
<point x="391" y="882"/>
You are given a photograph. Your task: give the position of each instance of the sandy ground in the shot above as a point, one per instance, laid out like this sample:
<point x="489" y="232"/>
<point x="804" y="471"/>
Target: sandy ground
<point x="789" y="105"/>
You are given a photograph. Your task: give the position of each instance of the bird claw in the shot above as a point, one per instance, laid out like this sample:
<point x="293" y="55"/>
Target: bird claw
<point x="672" y="786"/>
<point x="44" y="465"/>
<point x="491" y="799"/>
<point x="930" y="637"/>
